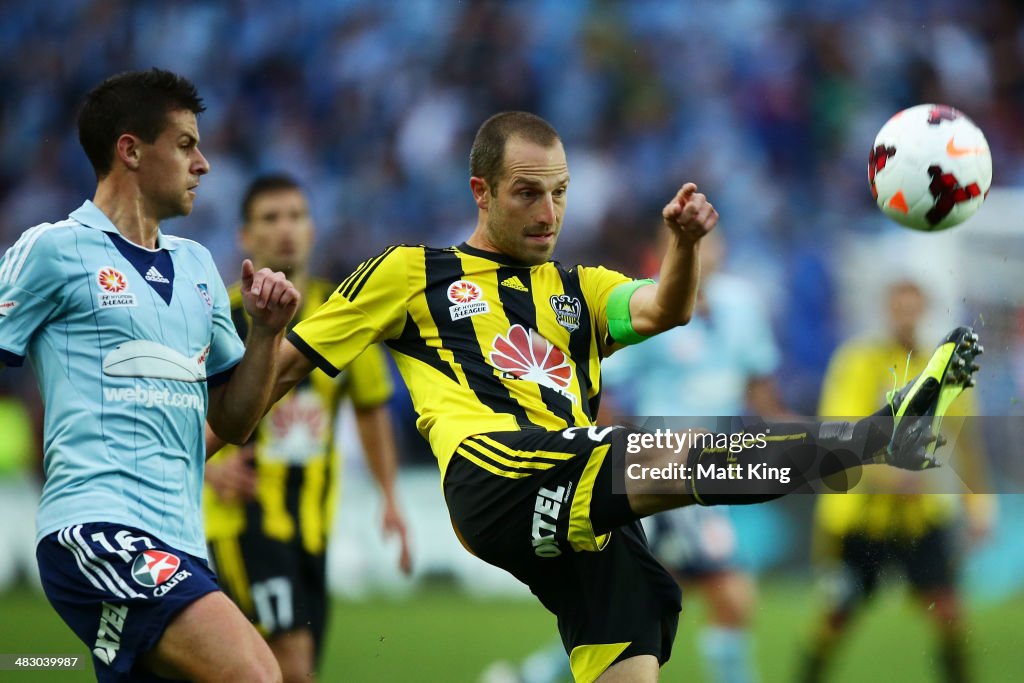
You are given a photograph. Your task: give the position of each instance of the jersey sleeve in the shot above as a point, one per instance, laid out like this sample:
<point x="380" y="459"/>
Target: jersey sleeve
<point x="369" y="306"/>
<point x="226" y="347"/>
<point x="369" y="378"/>
<point x="31" y="289"/>
<point x="598" y="284"/>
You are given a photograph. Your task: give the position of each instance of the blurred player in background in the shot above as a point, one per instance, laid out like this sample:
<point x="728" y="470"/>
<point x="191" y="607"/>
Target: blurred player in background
<point x="720" y="364"/>
<point x="501" y="348"/>
<point x="20" y="472"/>
<point x="859" y="533"/>
<point x="129" y="333"/>
<point x="269" y="504"/>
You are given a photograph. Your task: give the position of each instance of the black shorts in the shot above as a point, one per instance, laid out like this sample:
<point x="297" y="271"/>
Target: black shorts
<point x="529" y="512"/>
<point x="926" y="560"/>
<point x="278" y="585"/>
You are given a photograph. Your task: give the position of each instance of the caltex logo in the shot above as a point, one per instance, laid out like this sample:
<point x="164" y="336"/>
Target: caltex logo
<point x="111" y="280"/>
<point x="153" y="567"/>
<point x="525" y="354"/>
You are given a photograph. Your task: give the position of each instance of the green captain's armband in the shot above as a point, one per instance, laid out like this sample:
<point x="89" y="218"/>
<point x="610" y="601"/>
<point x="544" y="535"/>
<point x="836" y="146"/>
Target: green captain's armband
<point x="620" y="324"/>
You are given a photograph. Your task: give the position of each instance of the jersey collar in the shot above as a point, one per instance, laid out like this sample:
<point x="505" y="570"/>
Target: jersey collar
<point x="91" y="216"/>
<point x="492" y="256"/>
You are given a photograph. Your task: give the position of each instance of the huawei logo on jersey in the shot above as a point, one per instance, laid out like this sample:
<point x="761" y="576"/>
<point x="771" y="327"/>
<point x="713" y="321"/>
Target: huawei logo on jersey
<point x="297" y="429"/>
<point x="524" y="354"/>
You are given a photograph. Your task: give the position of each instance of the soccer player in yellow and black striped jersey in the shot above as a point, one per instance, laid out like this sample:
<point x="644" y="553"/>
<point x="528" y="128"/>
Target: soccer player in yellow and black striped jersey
<point x="856" y="535"/>
<point x="269" y="504"/>
<point x="501" y="349"/>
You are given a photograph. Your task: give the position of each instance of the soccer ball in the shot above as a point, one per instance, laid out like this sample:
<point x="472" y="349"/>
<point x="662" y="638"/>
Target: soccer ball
<point x="930" y="167"/>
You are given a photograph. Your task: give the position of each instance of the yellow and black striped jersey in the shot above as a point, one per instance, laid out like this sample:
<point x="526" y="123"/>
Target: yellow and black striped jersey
<point x="858" y="377"/>
<point x="485" y="344"/>
<point x="294" y="445"/>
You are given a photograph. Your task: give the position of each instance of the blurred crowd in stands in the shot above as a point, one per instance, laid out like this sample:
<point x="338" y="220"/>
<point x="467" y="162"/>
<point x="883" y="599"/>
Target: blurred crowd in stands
<point x="771" y="106"/>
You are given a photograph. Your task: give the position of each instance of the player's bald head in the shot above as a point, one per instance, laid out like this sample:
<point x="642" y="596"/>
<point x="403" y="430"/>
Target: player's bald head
<point x="487" y="157"/>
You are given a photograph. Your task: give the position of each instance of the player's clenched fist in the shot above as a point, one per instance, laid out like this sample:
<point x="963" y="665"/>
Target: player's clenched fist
<point x="690" y="215"/>
<point x="269" y="297"/>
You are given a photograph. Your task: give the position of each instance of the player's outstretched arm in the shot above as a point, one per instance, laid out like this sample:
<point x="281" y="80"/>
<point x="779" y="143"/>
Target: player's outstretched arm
<point x="292" y="368"/>
<point x="657" y="308"/>
<point x="237" y="405"/>
<point x="377" y="437"/>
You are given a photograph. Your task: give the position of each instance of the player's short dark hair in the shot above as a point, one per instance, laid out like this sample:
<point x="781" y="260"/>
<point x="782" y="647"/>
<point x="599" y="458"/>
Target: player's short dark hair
<point x="270" y="182"/>
<point x="135" y="102"/>
<point x="487" y="157"/>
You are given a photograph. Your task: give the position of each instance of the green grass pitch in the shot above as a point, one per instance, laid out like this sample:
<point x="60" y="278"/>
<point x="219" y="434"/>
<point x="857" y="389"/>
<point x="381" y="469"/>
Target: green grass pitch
<point x="441" y="635"/>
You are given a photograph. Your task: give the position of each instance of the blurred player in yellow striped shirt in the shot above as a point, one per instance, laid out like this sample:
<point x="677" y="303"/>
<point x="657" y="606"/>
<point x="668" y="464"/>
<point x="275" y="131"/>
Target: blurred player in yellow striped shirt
<point x="269" y="504"/>
<point x="858" y="533"/>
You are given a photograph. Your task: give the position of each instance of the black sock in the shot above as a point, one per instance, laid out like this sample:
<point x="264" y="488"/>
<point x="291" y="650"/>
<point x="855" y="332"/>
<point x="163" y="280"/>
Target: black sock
<point x="788" y="458"/>
<point x="954" y="660"/>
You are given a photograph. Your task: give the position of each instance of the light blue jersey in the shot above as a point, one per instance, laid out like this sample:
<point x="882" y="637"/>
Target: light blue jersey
<point x="123" y="341"/>
<point x="701" y="369"/>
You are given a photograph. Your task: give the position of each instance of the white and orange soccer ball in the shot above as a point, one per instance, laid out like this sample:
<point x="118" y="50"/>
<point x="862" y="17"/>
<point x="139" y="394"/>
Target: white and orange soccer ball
<point x="930" y="167"/>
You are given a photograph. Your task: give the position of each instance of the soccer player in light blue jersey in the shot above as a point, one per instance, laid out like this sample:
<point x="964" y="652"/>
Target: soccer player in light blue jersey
<point x="721" y="364"/>
<point x="129" y="334"/>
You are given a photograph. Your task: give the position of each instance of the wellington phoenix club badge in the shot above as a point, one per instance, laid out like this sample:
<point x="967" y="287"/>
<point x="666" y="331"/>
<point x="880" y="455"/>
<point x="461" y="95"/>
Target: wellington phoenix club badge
<point x="567" y="311"/>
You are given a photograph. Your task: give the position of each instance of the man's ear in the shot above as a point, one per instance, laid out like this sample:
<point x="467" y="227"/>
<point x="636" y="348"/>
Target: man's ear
<point x="128" y="149"/>
<point x="481" y="192"/>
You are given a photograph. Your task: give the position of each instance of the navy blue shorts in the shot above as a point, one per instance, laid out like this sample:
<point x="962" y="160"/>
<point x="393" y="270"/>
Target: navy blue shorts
<point x="118" y="588"/>
<point x="694" y="542"/>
